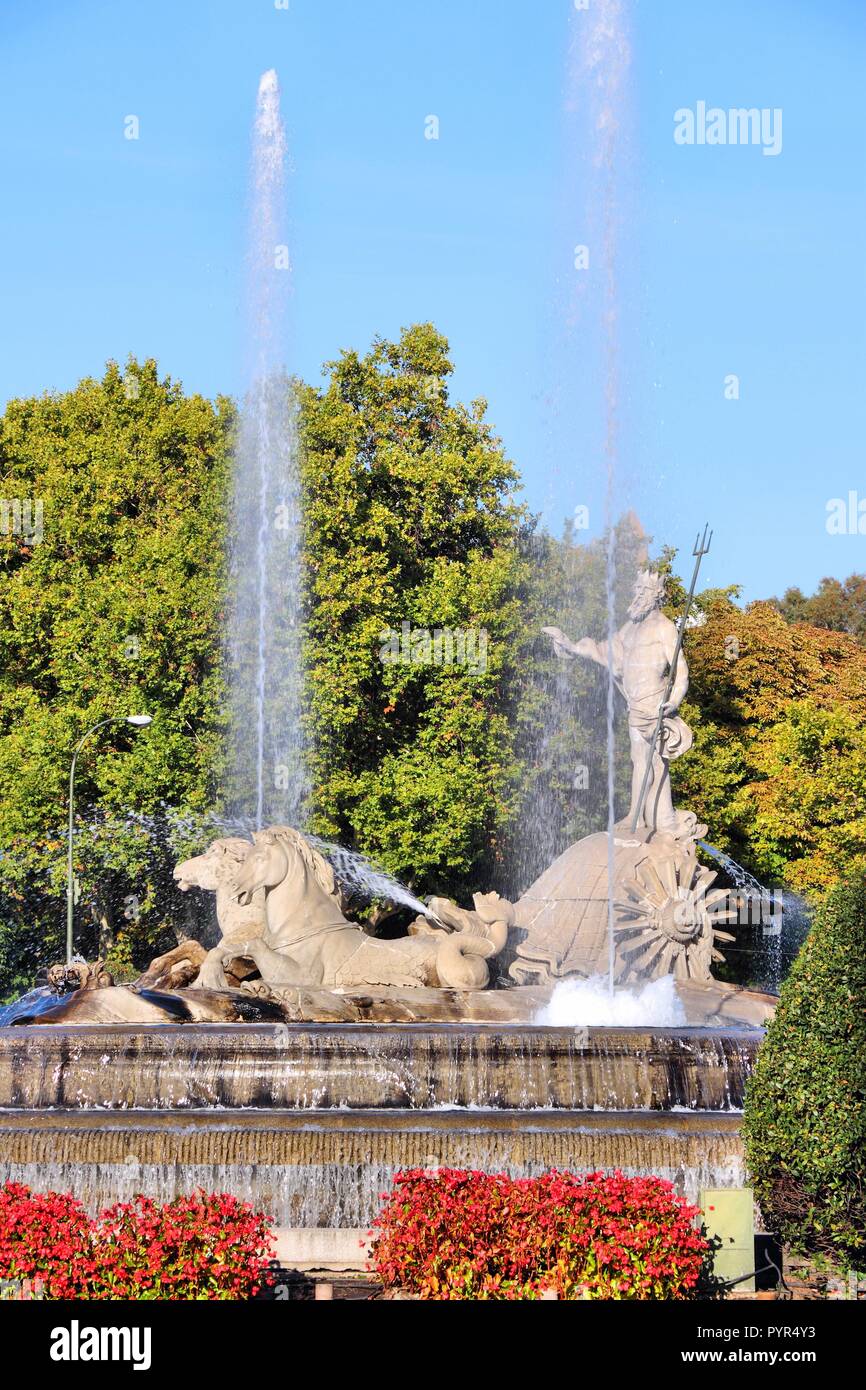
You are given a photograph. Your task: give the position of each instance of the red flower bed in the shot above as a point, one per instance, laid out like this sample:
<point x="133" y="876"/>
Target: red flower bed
<point x="199" y="1247"/>
<point x="42" y="1237"/>
<point x="207" y="1246"/>
<point x="468" y="1235"/>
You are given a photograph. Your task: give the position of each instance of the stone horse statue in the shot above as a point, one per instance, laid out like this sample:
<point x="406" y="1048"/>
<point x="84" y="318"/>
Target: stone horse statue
<point x="216" y="871"/>
<point x="308" y="942"/>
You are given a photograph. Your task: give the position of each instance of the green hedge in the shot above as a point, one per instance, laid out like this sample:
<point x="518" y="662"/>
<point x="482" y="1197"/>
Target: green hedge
<point x="805" y="1111"/>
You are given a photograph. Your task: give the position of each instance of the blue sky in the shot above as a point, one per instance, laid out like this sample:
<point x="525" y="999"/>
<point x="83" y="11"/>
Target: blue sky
<point x="730" y="261"/>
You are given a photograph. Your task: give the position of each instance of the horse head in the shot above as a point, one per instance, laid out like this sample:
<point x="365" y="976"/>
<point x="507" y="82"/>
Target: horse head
<point x="265" y="866"/>
<point x="219" y="863"/>
<point x="278" y="852"/>
<point x="300" y="890"/>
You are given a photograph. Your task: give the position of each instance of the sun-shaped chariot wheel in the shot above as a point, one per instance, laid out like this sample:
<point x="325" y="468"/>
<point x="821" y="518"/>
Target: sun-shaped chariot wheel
<point x="670" y="920"/>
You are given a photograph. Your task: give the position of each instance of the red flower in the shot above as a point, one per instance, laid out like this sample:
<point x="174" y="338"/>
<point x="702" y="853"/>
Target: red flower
<point x="458" y="1234"/>
<point x="206" y="1246"/>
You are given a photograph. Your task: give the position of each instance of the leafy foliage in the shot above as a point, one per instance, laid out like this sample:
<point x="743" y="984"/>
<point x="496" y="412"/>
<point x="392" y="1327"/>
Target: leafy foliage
<point x="777" y="769"/>
<point x="204" y="1247"/>
<point x="115" y="610"/>
<point x="412" y="529"/>
<point x="805" y="1114"/>
<point x="207" y="1246"/>
<point x="839" y="605"/>
<point x="459" y="1235"/>
<point x="42" y="1236"/>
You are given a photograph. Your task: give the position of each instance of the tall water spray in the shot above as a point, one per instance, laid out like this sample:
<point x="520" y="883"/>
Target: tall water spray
<point x="578" y="747"/>
<point x="605" y="62"/>
<point x="266" y="774"/>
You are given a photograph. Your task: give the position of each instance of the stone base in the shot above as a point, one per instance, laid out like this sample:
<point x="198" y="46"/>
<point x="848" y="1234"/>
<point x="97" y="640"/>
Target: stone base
<point x="323" y="1249"/>
<point x="266" y="1067"/>
<point x="707" y="1004"/>
<point x="310" y="1122"/>
<point x="319" y="1174"/>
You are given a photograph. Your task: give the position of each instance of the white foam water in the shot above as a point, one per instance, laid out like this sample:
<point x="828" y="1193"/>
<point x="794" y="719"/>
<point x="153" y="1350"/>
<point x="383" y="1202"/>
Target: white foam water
<point x="590" y="1004"/>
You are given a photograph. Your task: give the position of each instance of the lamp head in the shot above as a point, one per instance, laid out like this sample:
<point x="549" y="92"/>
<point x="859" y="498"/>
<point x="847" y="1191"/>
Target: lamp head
<point x="139" y="721"/>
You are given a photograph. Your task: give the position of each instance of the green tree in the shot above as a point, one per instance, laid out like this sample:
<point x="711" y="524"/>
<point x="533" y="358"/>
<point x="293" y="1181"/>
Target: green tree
<point x="839" y="605"/>
<point x="112" y="608"/>
<point x="804" y="1124"/>
<point x="412" y="530"/>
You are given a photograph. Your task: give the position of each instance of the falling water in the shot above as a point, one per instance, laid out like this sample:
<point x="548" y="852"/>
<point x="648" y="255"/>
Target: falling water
<point x="266" y="776"/>
<point x="577" y="759"/>
<point x="738" y="875"/>
<point x="778" y="918"/>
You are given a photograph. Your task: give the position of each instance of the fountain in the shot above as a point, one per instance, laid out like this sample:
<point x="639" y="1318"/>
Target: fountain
<point x="301" y="1061"/>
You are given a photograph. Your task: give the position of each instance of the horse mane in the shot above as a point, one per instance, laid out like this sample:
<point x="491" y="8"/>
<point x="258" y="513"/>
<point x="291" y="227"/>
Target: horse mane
<point x="322" y="871"/>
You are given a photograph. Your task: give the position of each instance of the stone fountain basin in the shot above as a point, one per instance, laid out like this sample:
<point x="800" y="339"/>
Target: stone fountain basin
<point x="297" y="1067"/>
<point x="310" y="1122"/>
<point x="710" y="1004"/>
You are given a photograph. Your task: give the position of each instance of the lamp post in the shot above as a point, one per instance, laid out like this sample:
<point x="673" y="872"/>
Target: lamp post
<point x="138" y="721"/>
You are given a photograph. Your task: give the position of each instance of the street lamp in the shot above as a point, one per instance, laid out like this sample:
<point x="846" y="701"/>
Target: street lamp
<point x="138" y="721"/>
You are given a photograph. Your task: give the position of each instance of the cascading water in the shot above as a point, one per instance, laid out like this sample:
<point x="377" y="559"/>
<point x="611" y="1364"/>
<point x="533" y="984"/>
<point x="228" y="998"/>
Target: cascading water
<point x="266" y="775"/>
<point x="779" y="919"/>
<point x="311" y="1122"/>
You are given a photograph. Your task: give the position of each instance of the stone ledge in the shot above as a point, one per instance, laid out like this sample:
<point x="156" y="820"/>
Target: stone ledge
<point x="325" y="1248"/>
